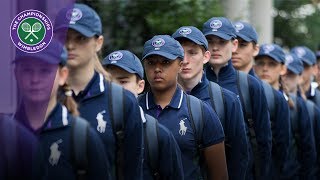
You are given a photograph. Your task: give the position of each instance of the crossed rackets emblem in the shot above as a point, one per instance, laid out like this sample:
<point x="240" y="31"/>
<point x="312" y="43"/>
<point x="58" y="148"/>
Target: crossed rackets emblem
<point x="26" y="27"/>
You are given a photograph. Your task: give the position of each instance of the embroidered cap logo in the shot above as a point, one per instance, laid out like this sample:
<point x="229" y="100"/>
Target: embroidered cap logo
<point x="215" y="25"/>
<point x="157" y="43"/>
<point x="185" y="31"/>
<point x="268" y="48"/>
<point x="74" y="15"/>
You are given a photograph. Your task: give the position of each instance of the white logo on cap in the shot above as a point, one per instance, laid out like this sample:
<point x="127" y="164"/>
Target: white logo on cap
<point x="115" y="56"/>
<point x="185" y="31"/>
<point x="300" y="52"/>
<point x="239" y="26"/>
<point x="289" y="59"/>
<point x="157" y="43"/>
<point x="215" y="25"/>
<point x="268" y="48"/>
<point x="74" y="15"/>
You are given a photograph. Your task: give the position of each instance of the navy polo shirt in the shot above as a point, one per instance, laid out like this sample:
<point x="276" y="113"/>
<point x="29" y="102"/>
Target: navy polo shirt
<point x="313" y="95"/>
<point x="93" y="104"/>
<point x="19" y="150"/>
<point x="236" y="139"/>
<point x="316" y="131"/>
<point x="176" y="118"/>
<point x="170" y="164"/>
<point x="56" y="149"/>
<point x="227" y="78"/>
<point x="306" y="154"/>
<point x="280" y="126"/>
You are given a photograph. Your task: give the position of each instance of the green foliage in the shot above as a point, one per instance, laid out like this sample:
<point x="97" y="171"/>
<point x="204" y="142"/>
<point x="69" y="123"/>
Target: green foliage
<point x="129" y="23"/>
<point x="297" y="23"/>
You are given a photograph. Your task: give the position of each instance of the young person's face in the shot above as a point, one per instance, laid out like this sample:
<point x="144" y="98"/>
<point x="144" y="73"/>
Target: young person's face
<point x="307" y="73"/>
<point x="161" y="73"/>
<point x="221" y="50"/>
<point x="195" y="56"/>
<point x="318" y="72"/>
<point x="243" y="56"/>
<point x="127" y="80"/>
<point x="268" y="69"/>
<point x="81" y="50"/>
<point x="291" y="81"/>
<point x="39" y="81"/>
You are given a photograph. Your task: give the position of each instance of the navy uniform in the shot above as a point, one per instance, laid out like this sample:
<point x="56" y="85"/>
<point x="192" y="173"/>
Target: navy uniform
<point x="302" y="154"/>
<point x="55" y="133"/>
<point x="15" y="163"/>
<point x="227" y="78"/>
<point x="279" y="118"/>
<point x="175" y="116"/>
<point x="169" y="165"/>
<point x="309" y="59"/>
<point x="234" y="128"/>
<point x="94" y="103"/>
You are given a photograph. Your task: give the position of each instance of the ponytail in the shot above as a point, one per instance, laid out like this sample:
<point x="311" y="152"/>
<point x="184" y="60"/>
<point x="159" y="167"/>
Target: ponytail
<point x="99" y="68"/>
<point x="284" y="88"/>
<point x="65" y="97"/>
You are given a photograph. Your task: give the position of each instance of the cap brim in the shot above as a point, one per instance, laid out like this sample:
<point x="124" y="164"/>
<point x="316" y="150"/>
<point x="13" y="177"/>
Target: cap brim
<point x="193" y="40"/>
<point x="123" y="67"/>
<point x="219" y="34"/>
<point x="81" y="29"/>
<point x="292" y="69"/>
<point x="307" y="62"/>
<point x="161" y="53"/>
<point x="41" y="57"/>
<point x="246" y="38"/>
<point x="271" y="56"/>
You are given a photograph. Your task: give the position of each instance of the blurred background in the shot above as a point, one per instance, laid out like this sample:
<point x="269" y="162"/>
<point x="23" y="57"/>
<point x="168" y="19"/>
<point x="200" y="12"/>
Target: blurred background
<point x="129" y="23"/>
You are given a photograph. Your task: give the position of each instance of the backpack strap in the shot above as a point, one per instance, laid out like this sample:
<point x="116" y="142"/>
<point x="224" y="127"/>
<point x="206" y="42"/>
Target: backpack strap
<point x="116" y="107"/>
<point x="310" y="107"/>
<point x="243" y="88"/>
<point x="196" y="113"/>
<point x="294" y="118"/>
<point x="217" y="100"/>
<point x="151" y="130"/>
<point x="79" y="139"/>
<point x="317" y="98"/>
<point x="268" y="91"/>
<point x="9" y="136"/>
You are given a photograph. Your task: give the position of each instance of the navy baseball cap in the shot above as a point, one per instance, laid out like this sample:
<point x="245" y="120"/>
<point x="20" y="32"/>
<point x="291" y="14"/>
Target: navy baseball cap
<point x="246" y="31"/>
<point x="81" y="18"/>
<point x="294" y="63"/>
<point x="163" y="45"/>
<point x="54" y="53"/>
<point x="193" y="34"/>
<point x="125" y="60"/>
<point x="219" y="26"/>
<point x="306" y="55"/>
<point x="317" y="54"/>
<point x="273" y="51"/>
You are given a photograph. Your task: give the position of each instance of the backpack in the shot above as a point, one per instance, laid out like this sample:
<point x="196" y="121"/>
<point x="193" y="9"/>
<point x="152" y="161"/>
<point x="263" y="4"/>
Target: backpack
<point x="243" y="88"/>
<point x="9" y="137"/>
<point x="310" y="107"/>
<point x="195" y="106"/>
<point x="79" y="141"/>
<point x="217" y="98"/>
<point x="294" y="118"/>
<point x="152" y="143"/>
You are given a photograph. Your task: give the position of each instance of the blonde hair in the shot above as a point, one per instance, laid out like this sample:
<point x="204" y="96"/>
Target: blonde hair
<point x="99" y="68"/>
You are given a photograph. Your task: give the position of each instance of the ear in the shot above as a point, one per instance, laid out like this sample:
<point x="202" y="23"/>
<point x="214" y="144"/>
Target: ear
<point x="180" y="66"/>
<point x="256" y="49"/>
<point x="283" y="70"/>
<point x="63" y="75"/>
<point x="99" y="43"/>
<point x="206" y="57"/>
<point x="234" y="45"/>
<point x="141" y="85"/>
